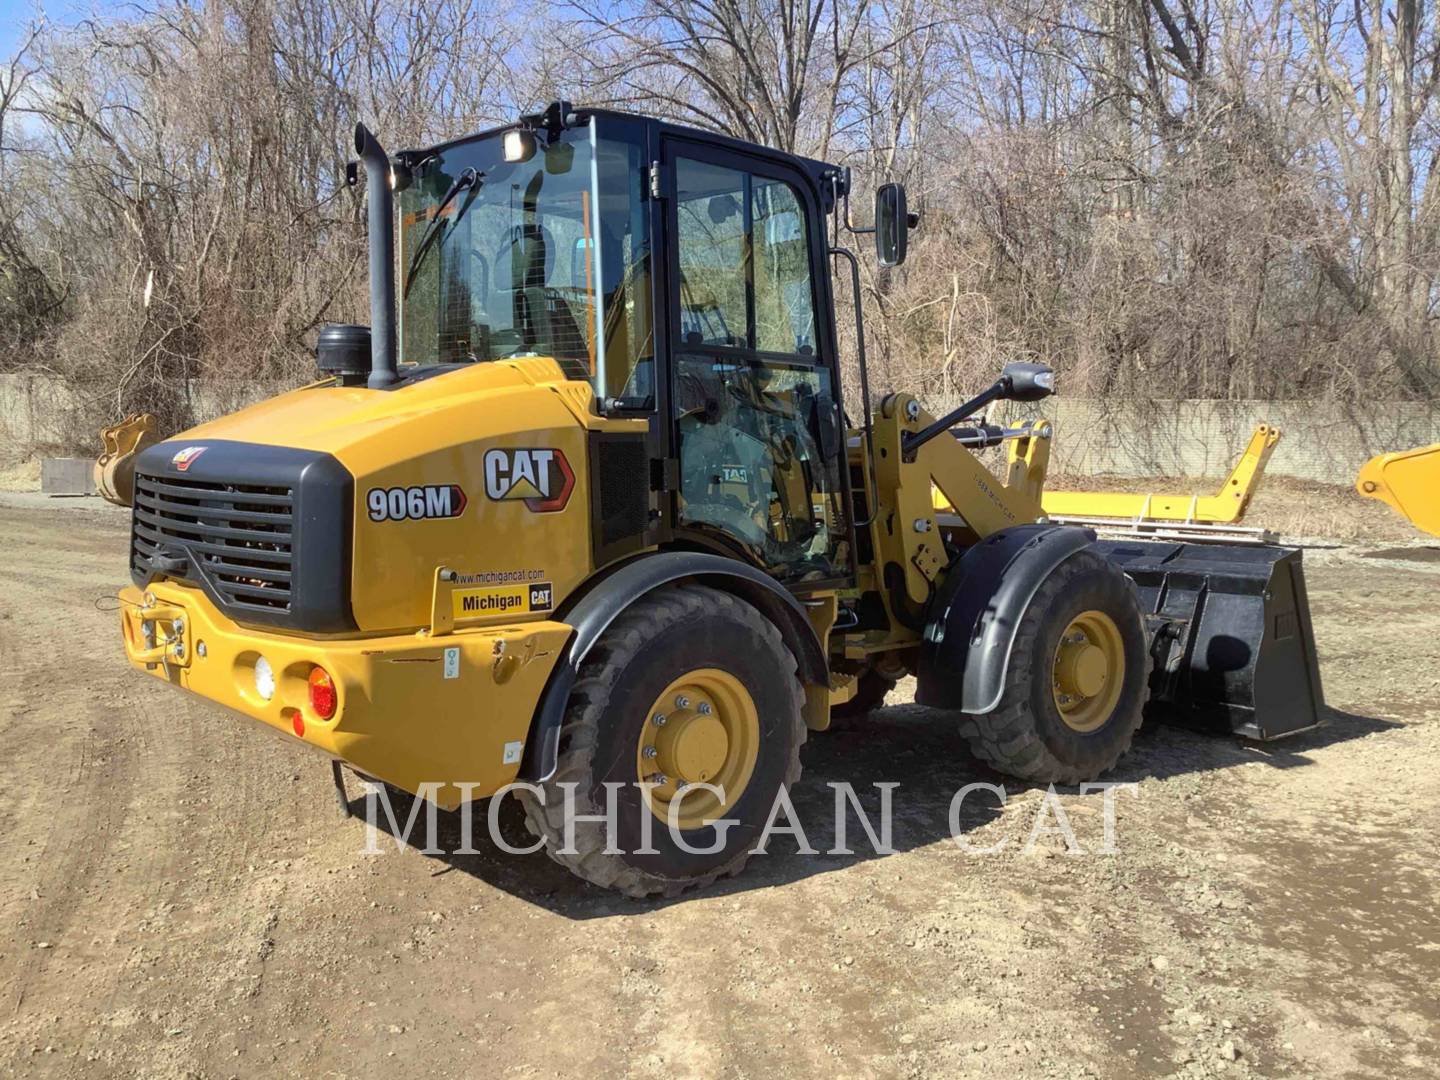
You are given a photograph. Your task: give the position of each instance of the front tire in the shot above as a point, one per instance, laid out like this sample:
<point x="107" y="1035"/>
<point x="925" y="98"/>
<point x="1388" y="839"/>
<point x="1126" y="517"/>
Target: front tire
<point x="689" y="685"/>
<point x="1077" y="680"/>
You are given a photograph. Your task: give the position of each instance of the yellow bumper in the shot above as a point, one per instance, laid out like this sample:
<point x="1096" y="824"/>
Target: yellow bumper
<point x="453" y="709"/>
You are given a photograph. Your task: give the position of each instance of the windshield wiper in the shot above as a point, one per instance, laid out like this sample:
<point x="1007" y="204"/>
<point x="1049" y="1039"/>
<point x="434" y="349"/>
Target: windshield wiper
<point x="467" y="179"/>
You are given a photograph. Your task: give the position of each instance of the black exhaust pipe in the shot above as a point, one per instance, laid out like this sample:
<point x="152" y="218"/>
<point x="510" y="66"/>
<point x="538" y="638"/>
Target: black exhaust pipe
<point x="383" y="368"/>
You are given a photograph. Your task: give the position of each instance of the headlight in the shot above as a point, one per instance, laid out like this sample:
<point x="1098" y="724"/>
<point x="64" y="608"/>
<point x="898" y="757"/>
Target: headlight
<point x="518" y="145"/>
<point x="264" y="678"/>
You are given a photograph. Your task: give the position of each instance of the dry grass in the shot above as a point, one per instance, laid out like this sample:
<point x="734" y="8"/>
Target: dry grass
<point x="20" y="475"/>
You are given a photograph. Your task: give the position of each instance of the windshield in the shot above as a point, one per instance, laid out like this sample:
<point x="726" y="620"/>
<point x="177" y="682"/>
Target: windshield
<point x="543" y="257"/>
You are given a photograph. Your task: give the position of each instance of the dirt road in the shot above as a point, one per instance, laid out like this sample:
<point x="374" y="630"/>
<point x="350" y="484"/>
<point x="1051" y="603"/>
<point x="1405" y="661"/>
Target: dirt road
<point x="179" y="897"/>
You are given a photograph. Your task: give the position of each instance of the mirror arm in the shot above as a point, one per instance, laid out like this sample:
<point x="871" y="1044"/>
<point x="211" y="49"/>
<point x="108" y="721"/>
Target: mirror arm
<point x="850" y="228"/>
<point x="911" y="443"/>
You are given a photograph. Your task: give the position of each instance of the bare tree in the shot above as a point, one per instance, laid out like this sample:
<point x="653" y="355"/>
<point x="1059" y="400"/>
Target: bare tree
<point x="1206" y="198"/>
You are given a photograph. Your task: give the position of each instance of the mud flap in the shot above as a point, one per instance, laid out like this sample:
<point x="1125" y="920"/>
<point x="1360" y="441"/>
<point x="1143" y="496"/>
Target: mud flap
<point x="1233" y="643"/>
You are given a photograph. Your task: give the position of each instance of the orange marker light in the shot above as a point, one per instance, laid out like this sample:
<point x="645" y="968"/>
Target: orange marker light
<point x="323" y="697"/>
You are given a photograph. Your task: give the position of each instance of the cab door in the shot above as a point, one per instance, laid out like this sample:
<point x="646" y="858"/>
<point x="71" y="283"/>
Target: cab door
<point x="753" y="399"/>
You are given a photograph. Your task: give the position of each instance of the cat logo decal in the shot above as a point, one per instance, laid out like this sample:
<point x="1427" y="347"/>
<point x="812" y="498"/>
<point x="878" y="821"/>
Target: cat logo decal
<point x="540" y="477"/>
<point x="183" y="459"/>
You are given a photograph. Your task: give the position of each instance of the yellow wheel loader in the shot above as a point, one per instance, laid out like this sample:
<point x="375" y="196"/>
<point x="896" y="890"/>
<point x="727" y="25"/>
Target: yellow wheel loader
<point x="581" y="511"/>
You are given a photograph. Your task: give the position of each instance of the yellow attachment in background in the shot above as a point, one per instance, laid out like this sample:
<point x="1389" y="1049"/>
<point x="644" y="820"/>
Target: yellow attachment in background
<point x="1225" y="507"/>
<point x="115" y="468"/>
<point x="1409" y="480"/>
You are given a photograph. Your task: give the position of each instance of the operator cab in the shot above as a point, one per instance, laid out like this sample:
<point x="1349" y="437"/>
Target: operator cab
<point x="684" y="276"/>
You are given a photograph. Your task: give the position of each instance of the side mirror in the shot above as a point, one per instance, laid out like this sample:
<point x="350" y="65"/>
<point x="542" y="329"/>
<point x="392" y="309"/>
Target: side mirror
<point x="1028" y="382"/>
<point x="892" y="224"/>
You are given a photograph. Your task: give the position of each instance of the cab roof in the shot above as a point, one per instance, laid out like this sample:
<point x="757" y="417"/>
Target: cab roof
<point x="820" y="172"/>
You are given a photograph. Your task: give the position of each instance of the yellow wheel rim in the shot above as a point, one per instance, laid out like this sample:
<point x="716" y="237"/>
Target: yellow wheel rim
<point x="702" y="729"/>
<point x="1088" y="671"/>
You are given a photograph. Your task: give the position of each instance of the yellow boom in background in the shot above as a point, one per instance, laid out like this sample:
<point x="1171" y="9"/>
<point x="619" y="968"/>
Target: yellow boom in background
<point x="1225" y="507"/>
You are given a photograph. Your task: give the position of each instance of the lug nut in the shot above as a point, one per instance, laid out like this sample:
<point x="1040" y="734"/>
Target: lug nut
<point x="704" y="708"/>
<point x="660" y="779"/>
<point x="649" y="752"/>
<point x="658" y="719"/>
<point x="682" y="702"/>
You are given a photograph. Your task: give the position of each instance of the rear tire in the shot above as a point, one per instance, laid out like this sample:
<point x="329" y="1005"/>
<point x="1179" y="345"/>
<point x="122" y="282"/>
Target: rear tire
<point x="1030" y="735"/>
<point x="723" y="655"/>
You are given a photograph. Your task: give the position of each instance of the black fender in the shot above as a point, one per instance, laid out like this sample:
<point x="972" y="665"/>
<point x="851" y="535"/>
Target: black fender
<point x="592" y="608"/>
<point x="972" y="621"/>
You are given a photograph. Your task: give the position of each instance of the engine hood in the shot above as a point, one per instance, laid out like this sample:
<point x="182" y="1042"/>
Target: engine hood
<point x="349" y="420"/>
<point x="482" y="469"/>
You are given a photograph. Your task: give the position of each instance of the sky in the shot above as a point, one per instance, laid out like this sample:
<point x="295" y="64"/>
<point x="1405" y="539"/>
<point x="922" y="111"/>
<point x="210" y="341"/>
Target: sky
<point x="16" y="15"/>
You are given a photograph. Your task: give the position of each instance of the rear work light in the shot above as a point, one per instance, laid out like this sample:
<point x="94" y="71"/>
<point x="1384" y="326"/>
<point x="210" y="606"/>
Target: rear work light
<point x="323" y="697"/>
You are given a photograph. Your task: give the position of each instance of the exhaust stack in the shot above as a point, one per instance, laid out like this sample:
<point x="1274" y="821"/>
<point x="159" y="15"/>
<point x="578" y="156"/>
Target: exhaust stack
<point x="383" y="368"/>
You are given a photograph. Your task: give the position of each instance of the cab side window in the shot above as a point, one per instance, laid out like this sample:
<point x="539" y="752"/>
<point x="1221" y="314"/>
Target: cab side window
<point x="714" y="254"/>
<point x="744" y="261"/>
<point x="784" y="307"/>
<point x="756" y="414"/>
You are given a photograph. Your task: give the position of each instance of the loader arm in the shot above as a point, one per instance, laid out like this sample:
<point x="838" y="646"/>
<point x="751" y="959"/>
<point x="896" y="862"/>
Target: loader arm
<point x="968" y="502"/>
<point x="1228" y="627"/>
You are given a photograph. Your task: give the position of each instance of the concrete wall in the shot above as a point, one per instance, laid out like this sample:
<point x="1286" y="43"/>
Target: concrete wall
<point x="42" y="411"/>
<point x="34" y="410"/>
<point x="1322" y="440"/>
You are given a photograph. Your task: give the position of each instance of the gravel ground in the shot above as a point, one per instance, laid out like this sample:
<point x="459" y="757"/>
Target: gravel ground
<point x="181" y="898"/>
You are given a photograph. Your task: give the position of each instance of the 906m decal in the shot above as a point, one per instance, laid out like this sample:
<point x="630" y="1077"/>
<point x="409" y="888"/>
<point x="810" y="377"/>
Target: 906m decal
<point x="415" y="503"/>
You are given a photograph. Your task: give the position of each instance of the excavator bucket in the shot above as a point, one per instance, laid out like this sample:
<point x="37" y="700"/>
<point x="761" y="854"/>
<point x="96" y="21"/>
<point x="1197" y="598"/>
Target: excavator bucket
<point x="1232" y="640"/>
<point x="115" y="468"/>
<point x="1409" y="480"/>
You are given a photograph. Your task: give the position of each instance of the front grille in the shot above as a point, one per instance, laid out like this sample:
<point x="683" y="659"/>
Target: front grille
<point x="240" y="537"/>
<point x="264" y="531"/>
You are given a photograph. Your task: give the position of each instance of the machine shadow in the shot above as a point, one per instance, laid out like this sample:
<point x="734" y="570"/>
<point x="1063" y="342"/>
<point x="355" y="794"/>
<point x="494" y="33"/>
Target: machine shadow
<point x="1163" y="749"/>
<point x="919" y="749"/>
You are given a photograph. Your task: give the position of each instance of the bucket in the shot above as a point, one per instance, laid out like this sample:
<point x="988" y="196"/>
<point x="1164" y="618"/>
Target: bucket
<point x="1232" y="639"/>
